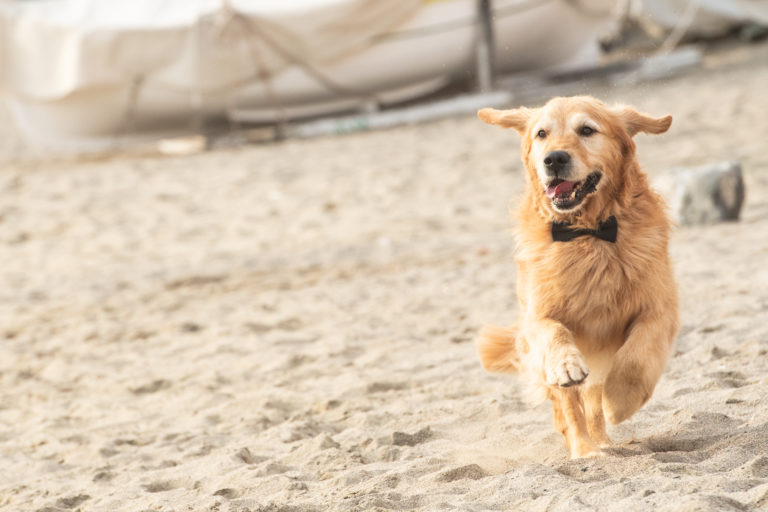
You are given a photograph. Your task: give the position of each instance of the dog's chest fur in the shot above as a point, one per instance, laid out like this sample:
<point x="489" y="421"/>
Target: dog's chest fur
<point x="587" y="281"/>
<point x="588" y="284"/>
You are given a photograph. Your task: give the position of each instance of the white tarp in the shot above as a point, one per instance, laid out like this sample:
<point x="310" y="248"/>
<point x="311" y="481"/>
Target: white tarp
<point x="52" y="48"/>
<point x="704" y="17"/>
<point x="80" y="73"/>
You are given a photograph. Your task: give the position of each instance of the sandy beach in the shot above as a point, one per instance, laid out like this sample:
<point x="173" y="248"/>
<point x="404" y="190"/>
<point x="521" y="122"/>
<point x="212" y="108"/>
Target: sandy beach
<point x="289" y="327"/>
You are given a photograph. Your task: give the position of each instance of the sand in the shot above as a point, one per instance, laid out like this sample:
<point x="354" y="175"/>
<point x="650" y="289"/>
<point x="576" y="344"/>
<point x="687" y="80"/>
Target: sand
<point x="289" y="327"/>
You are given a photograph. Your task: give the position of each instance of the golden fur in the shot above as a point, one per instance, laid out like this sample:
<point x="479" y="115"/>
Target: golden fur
<point x="597" y="319"/>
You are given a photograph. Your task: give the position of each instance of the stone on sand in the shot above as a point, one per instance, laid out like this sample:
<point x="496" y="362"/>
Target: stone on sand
<point x="705" y="194"/>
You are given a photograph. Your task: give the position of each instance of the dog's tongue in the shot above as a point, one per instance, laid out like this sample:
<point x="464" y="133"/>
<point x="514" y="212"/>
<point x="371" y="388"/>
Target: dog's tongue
<point x="562" y="189"/>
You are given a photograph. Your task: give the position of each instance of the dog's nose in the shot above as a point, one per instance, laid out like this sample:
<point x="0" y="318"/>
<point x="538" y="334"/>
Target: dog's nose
<point x="556" y="161"/>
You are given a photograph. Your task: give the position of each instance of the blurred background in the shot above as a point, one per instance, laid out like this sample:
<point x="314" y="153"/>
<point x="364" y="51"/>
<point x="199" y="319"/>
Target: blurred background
<point x="93" y="76"/>
<point x="246" y="247"/>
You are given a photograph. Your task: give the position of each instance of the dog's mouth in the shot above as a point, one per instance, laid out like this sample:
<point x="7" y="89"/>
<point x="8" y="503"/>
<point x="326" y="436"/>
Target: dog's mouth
<point x="567" y="195"/>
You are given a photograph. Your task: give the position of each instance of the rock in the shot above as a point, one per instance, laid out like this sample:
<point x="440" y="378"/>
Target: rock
<point x="705" y="194"/>
<point x="403" y="439"/>
<point x="152" y="387"/>
<point x="471" y="471"/>
<point x="72" y="501"/>
<point x="245" y="455"/>
<point x="227" y="492"/>
<point x="325" y="442"/>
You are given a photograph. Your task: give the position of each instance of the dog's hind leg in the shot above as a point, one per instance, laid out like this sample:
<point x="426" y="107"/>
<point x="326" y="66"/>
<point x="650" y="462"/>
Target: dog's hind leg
<point x="568" y="413"/>
<point x="559" y="419"/>
<point x="592" y="396"/>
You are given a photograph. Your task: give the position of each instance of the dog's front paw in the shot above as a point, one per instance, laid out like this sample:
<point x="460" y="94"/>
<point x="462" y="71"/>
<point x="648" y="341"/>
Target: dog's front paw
<point x="567" y="370"/>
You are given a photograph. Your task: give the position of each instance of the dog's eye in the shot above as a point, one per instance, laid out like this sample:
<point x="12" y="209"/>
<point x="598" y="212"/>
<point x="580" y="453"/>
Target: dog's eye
<point x="541" y="134"/>
<point x="586" y="131"/>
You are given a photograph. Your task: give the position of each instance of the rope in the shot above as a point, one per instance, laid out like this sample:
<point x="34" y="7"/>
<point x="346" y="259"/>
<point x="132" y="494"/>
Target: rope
<point x="339" y="89"/>
<point x="456" y="24"/>
<point x="683" y="24"/>
<point x="253" y="37"/>
<point x="331" y="85"/>
<point x="595" y="13"/>
<point x="130" y="107"/>
<point x="261" y="70"/>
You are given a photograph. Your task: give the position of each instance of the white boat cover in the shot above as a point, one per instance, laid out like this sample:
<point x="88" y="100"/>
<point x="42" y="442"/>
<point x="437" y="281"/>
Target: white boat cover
<point x="83" y="74"/>
<point x="75" y="70"/>
<point x="52" y="48"/>
<point x="707" y="17"/>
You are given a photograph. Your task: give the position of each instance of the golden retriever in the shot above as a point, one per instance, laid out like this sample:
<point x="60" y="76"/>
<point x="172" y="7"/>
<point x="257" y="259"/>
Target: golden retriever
<point x="598" y="302"/>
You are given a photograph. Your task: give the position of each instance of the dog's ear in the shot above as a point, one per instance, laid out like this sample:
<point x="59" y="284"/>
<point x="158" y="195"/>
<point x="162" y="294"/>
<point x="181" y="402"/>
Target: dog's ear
<point x="635" y="122"/>
<point x="516" y="118"/>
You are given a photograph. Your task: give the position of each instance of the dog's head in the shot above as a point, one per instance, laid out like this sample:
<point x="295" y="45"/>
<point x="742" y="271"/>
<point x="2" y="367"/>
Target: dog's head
<point x="576" y="149"/>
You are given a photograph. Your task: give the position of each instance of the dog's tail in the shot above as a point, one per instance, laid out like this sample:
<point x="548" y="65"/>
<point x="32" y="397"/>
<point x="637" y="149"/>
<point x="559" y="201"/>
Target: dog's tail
<point x="498" y="349"/>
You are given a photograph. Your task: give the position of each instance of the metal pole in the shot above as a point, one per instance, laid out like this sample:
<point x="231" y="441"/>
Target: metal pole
<point x="485" y="46"/>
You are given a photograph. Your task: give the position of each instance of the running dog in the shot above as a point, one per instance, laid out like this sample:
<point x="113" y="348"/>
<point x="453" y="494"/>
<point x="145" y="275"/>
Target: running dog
<point x="598" y="302"/>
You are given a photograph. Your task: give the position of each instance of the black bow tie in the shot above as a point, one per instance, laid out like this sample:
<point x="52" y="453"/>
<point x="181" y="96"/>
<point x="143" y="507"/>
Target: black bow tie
<point x="607" y="230"/>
